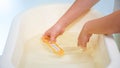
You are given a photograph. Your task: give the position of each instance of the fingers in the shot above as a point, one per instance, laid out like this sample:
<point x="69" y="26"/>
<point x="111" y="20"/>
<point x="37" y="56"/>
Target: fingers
<point x="51" y="35"/>
<point x="83" y="40"/>
<point x="84" y="37"/>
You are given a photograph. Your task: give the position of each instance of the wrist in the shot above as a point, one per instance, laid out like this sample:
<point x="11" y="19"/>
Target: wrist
<point x="62" y="25"/>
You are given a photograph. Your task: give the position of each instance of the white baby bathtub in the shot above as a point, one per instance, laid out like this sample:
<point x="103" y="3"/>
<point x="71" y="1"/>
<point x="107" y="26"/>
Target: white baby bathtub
<point x="35" y="22"/>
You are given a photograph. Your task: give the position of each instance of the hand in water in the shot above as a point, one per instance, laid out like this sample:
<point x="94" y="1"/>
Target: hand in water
<point x="54" y="32"/>
<point x="105" y="25"/>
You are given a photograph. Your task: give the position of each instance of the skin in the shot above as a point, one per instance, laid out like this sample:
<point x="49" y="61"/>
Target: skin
<point x="76" y="10"/>
<point x="106" y="25"/>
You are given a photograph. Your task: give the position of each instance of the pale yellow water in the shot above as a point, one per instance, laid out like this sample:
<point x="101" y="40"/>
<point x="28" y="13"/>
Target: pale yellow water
<point x="37" y="55"/>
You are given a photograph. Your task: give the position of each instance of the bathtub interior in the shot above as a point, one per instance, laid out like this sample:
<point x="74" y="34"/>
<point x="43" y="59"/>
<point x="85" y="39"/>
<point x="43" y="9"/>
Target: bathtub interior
<point x="29" y="52"/>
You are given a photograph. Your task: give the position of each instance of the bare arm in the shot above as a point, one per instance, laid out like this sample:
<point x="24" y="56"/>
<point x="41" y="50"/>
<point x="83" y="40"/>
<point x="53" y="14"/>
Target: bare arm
<point x="106" y="25"/>
<point x="77" y="9"/>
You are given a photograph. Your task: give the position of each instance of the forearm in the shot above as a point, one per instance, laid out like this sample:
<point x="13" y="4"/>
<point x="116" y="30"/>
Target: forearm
<point x="77" y="9"/>
<point x="105" y="25"/>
